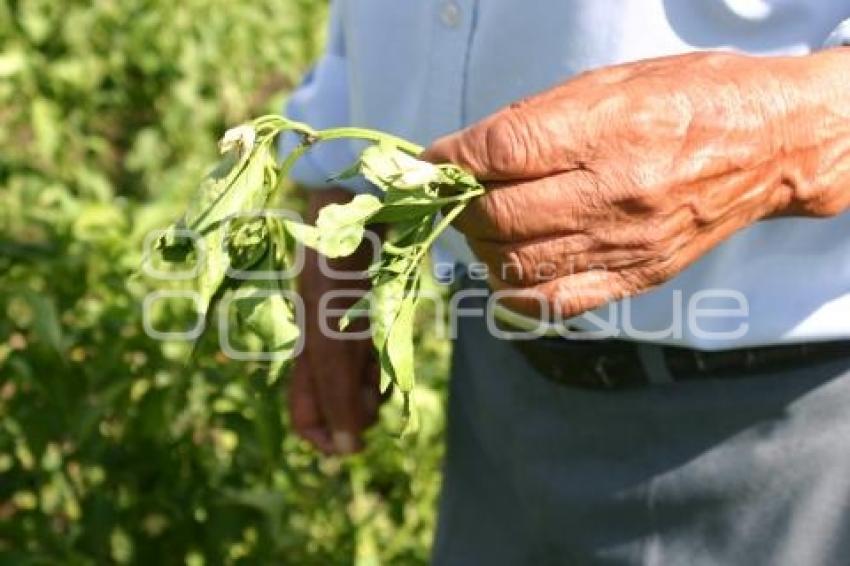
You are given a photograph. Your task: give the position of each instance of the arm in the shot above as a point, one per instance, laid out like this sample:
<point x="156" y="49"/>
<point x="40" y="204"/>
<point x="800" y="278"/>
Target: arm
<point x="334" y="393"/>
<point x="615" y="181"/>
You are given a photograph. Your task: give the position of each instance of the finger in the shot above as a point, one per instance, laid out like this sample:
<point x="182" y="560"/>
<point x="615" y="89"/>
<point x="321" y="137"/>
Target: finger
<point x="573" y="295"/>
<point x="549" y="132"/>
<point x="563" y="298"/>
<point x="526" y="264"/>
<point x="338" y="387"/>
<point x="531" y="139"/>
<point x="500" y="147"/>
<point x="304" y="412"/>
<point x="631" y="245"/>
<point x="568" y="202"/>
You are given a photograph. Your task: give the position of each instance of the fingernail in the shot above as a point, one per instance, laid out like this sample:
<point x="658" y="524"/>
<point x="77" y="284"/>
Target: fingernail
<point x="344" y="442"/>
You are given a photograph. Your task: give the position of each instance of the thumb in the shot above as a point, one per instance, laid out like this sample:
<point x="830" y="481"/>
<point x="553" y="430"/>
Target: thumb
<point x="507" y="145"/>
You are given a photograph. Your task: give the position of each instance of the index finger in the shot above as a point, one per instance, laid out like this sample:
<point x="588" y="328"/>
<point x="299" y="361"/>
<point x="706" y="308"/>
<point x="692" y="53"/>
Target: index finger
<point x="529" y="139"/>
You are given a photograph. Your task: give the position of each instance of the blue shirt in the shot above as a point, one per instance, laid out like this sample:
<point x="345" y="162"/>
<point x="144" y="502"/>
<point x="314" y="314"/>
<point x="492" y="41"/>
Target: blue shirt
<point x="421" y="69"/>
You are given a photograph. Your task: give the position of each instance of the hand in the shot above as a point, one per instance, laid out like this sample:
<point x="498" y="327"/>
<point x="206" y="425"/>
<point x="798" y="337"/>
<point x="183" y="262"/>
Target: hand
<point x="617" y="180"/>
<point x="334" y="394"/>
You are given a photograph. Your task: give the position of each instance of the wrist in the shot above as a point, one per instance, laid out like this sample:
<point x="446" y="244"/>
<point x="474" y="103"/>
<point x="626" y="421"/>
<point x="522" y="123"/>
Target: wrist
<point x="813" y="152"/>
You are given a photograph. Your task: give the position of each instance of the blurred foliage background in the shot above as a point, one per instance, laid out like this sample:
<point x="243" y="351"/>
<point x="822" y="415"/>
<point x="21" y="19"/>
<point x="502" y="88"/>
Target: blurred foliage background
<point x="112" y="449"/>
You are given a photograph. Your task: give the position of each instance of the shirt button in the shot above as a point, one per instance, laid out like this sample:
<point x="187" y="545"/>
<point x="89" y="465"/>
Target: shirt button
<point x="450" y="14"/>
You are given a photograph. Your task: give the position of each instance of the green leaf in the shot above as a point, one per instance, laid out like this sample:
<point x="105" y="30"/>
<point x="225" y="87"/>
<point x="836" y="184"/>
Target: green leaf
<point x="212" y="268"/>
<point x="386" y="166"/>
<point x="246" y="242"/>
<point x="388" y="296"/>
<point x="360" y="309"/>
<point x="235" y="186"/>
<point x="350" y="172"/>
<point x="394" y="295"/>
<point x="403" y="205"/>
<point x="341" y="226"/>
<point x="398" y="352"/>
<point x="303" y="233"/>
<point x="264" y="311"/>
<point x="46" y="322"/>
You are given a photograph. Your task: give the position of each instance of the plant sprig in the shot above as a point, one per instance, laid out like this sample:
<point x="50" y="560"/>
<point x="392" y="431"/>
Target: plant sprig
<point x="227" y="220"/>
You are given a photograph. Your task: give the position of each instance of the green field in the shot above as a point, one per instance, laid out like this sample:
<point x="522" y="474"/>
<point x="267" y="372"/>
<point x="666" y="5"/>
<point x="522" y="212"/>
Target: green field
<point x="112" y="448"/>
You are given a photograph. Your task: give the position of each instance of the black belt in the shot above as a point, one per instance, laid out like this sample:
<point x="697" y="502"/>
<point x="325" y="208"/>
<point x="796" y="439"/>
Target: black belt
<point x="617" y="364"/>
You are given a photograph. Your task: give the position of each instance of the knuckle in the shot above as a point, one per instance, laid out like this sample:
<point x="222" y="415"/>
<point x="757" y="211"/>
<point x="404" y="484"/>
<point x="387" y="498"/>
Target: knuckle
<point x="663" y="270"/>
<point x="652" y="241"/>
<point x="527" y="265"/>
<point x="506" y="143"/>
<point x="498" y="216"/>
<point x="520" y="264"/>
<point x="504" y="262"/>
<point x="474" y="221"/>
<point x="656" y="244"/>
<point x="567" y="303"/>
<point x="631" y="283"/>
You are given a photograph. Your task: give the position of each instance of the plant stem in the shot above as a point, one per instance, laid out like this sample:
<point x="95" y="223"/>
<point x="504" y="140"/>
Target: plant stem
<point x="440" y="227"/>
<point x="279" y="124"/>
<point x="368" y="135"/>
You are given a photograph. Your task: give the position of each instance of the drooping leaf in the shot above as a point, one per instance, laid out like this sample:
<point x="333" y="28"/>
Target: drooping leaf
<point x="341" y="226"/>
<point x="212" y="267"/>
<point x="304" y="233"/>
<point x="414" y="193"/>
<point x="262" y="309"/>
<point x="388" y="296"/>
<point x="236" y="186"/>
<point x="397" y="357"/>
<point x="360" y="309"/>
<point x="402" y="205"/>
<point x="246" y="242"/>
<point x="386" y="166"/>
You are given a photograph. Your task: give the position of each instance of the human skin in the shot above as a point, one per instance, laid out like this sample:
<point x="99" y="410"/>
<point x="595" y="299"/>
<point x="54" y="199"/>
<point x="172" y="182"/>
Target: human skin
<point x="333" y="394"/>
<point x="615" y="181"/>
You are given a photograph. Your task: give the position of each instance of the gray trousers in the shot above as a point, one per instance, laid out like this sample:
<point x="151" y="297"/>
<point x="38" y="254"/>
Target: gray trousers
<point x="746" y="471"/>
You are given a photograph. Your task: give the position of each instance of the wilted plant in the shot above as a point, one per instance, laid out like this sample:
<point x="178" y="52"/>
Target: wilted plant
<point x="418" y="201"/>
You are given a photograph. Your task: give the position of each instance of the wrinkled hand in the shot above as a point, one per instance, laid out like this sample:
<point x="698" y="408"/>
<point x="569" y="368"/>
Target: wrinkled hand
<point x="617" y="180"/>
<point x="334" y="394"/>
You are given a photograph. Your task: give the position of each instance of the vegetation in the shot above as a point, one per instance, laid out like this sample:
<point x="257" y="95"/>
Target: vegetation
<point x="237" y="242"/>
<point x="112" y="448"/>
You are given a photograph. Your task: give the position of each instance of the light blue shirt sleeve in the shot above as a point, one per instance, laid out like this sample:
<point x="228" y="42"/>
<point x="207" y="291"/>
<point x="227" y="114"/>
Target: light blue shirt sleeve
<point x="323" y="101"/>
<point x="840" y="37"/>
